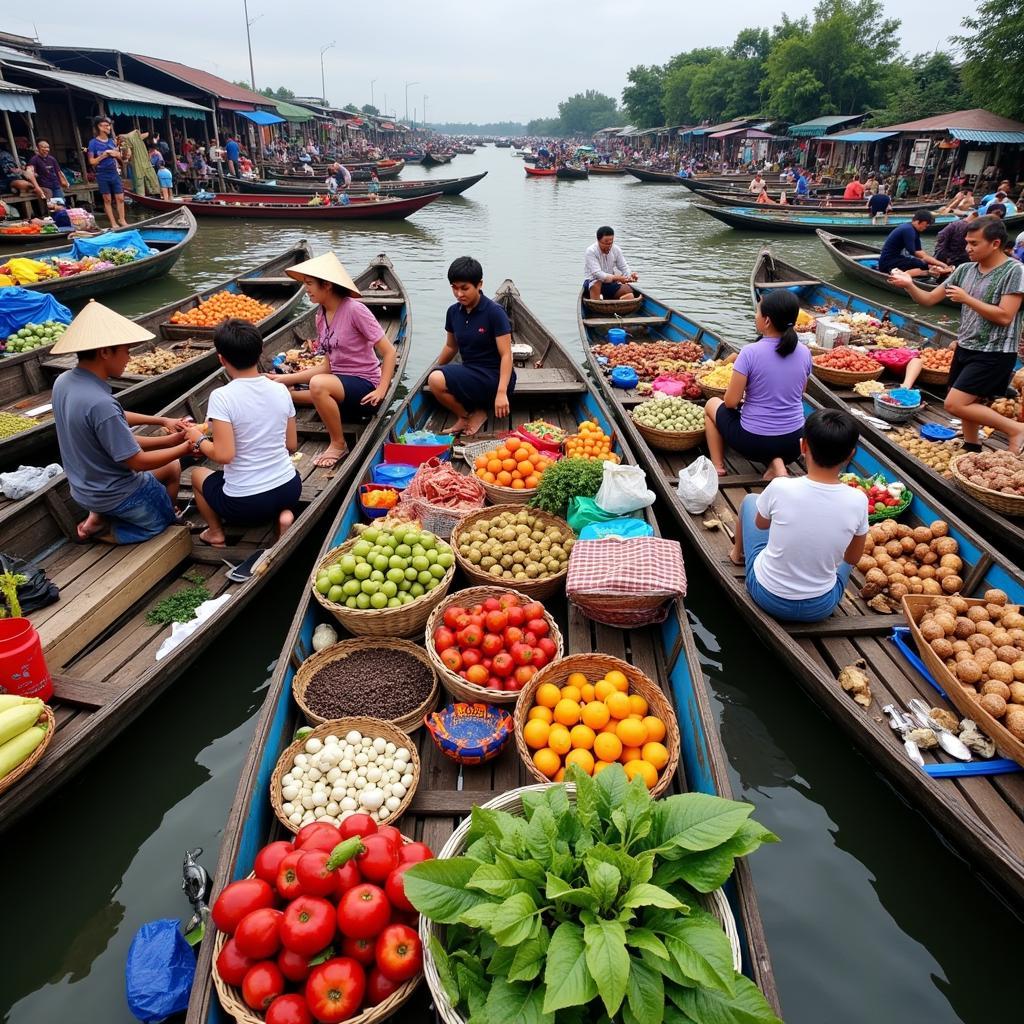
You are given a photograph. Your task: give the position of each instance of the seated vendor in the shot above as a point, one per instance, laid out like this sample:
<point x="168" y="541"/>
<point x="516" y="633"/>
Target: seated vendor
<point x="606" y="272"/>
<point x="800" y="538"/>
<point x="478" y="332"/>
<point x="357" y="362"/>
<point x="903" y="249"/>
<point x="127" y="482"/>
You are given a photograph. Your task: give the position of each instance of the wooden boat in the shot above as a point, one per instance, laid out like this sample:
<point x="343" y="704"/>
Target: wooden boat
<point x="770" y="272"/>
<point x="981" y="816"/>
<point x="26" y="379"/>
<point x="607" y="169"/>
<point x="539" y="172"/>
<point x="290" y="207"/>
<point x="651" y="175"/>
<point x="436" y="159"/>
<point x="395" y="189"/>
<point x="569" y="172"/>
<point x="553" y="386"/>
<point x="804" y="222"/>
<point x="386" y="170"/>
<point x="40" y="239"/>
<point x="739" y="182"/>
<point x="860" y="260"/>
<point x="96" y="640"/>
<point x="502" y="144"/>
<point x="169" y="235"/>
<point x="744" y="199"/>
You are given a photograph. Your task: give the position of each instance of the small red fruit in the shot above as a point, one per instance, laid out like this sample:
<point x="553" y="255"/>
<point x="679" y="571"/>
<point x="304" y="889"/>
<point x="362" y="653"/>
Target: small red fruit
<point x="394" y="889"/>
<point x="289" y="1009"/>
<point x="413" y="853"/>
<point x="359" y="949"/>
<point x="318" y="835"/>
<point x="503" y="664"/>
<point x="262" y="984"/>
<point x="239" y="899"/>
<point x="363" y="912"/>
<point x="294" y="966"/>
<point x="492" y="604"/>
<point x="443" y="639"/>
<point x="399" y="953"/>
<point x="452" y="614"/>
<point x="357" y="825"/>
<point x="451" y="659"/>
<point x="497" y="621"/>
<point x="288" y="884"/>
<point x="233" y="966"/>
<point x="471" y="636"/>
<point x="378" y="988"/>
<point x="268" y="860"/>
<point x="470" y="657"/>
<point x="313" y="875"/>
<point x="492" y="643"/>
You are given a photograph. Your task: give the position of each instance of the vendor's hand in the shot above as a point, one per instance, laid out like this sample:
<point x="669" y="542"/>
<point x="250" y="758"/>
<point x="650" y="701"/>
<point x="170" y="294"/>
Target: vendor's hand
<point x="281" y="378"/>
<point x="901" y="278"/>
<point x="501" y="404"/>
<point x="956" y="294"/>
<point x="193" y="434"/>
<point x="634" y="277"/>
<point x="374" y="397"/>
<point x="176" y="425"/>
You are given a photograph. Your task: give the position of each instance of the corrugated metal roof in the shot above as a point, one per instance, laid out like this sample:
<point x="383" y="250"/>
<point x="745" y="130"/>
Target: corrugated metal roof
<point x="977" y="118"/>
<point x="11" y="87"/>
<point x="204" y="81"/>
<point x="110" y="88"/>
<point x="855" y="136"/>
<point x="821" y="125"/>
<point x="976" y="135"/>
<point x="20" y="57"/>
<point x="293" y="112"/>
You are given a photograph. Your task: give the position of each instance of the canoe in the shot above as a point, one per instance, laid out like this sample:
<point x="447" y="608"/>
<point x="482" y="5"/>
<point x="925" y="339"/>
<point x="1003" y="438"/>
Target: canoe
<point x="539" y="172"/>
<point x="396" y="189"/>
<point x="168" y="234"/>
<point x="26" y="379"/>
<point x="386" y="170"/>
<point x="772" y="272"/>
<point x="571" y="173"/>
<point x="860" y="260"/>
<point x="745" y="200"/>
<point x="289" y="207"/>
<point x="557" y="390"/>
<point x="981" y="816"/>
<point x="739" y="183"/>
<point x="806" y="222"/>
<point x="39" y="239"/>
<point x="436" y="159"/>
<point x="607" y="169"/>
<point x="651" y="175"/>
<point x="96" y="640"/>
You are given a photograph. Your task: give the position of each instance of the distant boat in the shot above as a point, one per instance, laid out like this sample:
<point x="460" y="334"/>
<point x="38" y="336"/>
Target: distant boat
<point x="570" y="172"/>
<point x="394" y="189"/>
<point x="539" y="172"/>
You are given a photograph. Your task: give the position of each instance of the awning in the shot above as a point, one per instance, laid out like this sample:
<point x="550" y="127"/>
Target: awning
<point x="17" y="99"/>
<point x="261" y="117"/>
<point x="821" y="125"/>
<point x="234" y="105"/>
<point x="977" y="135"/>
<point x="386" y="126"/>
<point x="135" y="109"/>
<point x="855" y="137"/>
<point x="293" y="113"/>
<point x="187" y="112"/>
<point x="727" y="134"/>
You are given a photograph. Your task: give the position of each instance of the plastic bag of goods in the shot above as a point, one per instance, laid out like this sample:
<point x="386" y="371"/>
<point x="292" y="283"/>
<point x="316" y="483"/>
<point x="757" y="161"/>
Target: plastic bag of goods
<point x="623" y="489"/>
<point x="159" y="972"/>
<point x="698" y="485"/>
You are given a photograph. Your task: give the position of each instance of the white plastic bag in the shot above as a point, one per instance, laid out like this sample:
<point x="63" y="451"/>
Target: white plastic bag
<point x="698" y="485"/>
<point x="623" y="489"/>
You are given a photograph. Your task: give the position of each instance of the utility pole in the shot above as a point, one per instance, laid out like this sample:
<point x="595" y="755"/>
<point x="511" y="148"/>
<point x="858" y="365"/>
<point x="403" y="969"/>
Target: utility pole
<point x="425" y="98"/>
<point x="248" y="39"/>
<point x="372" y="81"/>
<point x="323" y="83"/>
<point x="407" y="84"/>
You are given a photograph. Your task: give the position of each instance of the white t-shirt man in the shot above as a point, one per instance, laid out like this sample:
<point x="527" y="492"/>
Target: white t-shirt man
<point x="258" y="410"/>
<point x="603" y="266"/>
<point x="812" y="526"/>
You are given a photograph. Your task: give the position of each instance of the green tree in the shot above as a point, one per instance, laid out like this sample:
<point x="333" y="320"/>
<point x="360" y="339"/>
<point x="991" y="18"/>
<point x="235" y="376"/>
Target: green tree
<point x="680" y="72"/>
<point x="927" y="85"/>
<point x="370" y="110"/>
<point x="351" y="108"/>
<point x="994" y="56"/>
<point x="587" y="112"/>
<point x="544" y="127"/>
<point x="281" y="93"/>
<point x="642" y="97"/>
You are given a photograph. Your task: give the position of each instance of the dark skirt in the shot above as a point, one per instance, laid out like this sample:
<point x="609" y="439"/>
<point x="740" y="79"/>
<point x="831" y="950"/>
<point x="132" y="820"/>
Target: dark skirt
<point x="252" y="509"/>
<point x="474" y="387"/>
<point x="756" y="447"/>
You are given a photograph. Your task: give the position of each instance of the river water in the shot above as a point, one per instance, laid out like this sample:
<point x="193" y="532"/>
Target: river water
<point x="869" y="914"/>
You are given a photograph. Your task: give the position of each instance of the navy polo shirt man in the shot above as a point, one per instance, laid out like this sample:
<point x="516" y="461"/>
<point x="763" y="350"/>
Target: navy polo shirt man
<point x="903" y="249"/>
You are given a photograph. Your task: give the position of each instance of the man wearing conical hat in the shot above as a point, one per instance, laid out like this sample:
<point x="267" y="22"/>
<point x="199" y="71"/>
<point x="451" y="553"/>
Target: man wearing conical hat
<point x="127" y="482"/>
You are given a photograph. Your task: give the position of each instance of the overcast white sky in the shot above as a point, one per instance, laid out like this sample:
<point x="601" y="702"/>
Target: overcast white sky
<point x="475" y="61"/>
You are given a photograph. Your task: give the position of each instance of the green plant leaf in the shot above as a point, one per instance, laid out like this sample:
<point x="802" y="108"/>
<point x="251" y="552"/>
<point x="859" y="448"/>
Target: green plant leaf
<point x="701" y="950"/>
<point x="695" y="821"/>
<point x="610" y="787"/>
<point x="566" y="975"/>
<point x="444" y="971"/>
<point x="482" y="850"/>
<point x="528" y="959"/>
<point x="515" y="920"/>
<point x="604" y="880"/>
<point x="502" y="881"/>
<point x="645" y="939"/>
<point x="586" y="799"/>
<point x="708" y="870"/>
<point x="527" y="869"/>
<point x="517" y="1003"/>
<point x="559" y="889"/>
<point x="745" y="1006"/>
<point x="541" y="836"/>
<point x="647" y="895"/>
<point x="504" y="830"/>
<point x="501" y="962"/>
<point x="473" y="988"/>
<point x="645" y="993"/>
<point x="607" y="959"/>
<point x="437" y="888"/>
<point x="481" y="916"/>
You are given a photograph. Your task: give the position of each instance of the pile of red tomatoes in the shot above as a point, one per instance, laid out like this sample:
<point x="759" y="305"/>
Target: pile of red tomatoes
<point x="845" y="358"/>
<point x="323" y="930"/>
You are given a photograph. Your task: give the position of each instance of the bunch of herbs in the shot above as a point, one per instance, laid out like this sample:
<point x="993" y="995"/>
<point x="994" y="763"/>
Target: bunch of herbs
<point x="182" y="604"/>
<point x="567" y="479"/>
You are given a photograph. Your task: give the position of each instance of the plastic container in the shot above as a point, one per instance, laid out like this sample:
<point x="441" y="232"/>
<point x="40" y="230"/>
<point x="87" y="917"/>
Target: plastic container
<point x="617" y="336"/>
<point x="935" y="432"/>
<point x="624" y="377"/>
<point x="829" y="334"/>
<point x="906" y="396"/>
<point x="369" y="511"/>
<point x="414" y="454"/>
<point x="623" y="527"/>
<point x="22" y="666"/>
<point x="394" y="474"/>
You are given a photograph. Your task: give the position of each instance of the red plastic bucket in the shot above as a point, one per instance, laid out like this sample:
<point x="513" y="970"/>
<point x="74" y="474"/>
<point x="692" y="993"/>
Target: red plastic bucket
<point x="22" y="666"/>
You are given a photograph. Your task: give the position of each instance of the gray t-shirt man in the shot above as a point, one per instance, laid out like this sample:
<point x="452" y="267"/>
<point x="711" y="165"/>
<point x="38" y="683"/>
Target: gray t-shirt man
<point x="95" y="440"/>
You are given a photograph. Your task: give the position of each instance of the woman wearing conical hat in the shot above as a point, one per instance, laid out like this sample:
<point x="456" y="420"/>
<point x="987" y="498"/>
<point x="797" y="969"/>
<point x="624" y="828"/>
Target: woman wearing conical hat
<point x="358" y="360"/>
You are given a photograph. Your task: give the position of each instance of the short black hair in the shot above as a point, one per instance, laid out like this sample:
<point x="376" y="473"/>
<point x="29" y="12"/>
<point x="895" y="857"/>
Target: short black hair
<point x="992" y="229"/>
<point x="604" y="231"/>
<point x="239" y="342"/>
<point x="465" y="270"/>
<point x="831" y="436"/>
<point x="100" y="118"/>
<point x="997" y="210"/>
<point x="924" y="215"/>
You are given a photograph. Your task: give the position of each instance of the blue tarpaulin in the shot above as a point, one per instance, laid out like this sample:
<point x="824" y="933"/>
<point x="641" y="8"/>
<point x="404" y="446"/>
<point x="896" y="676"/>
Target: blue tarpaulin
<point x="111" y="239"/>
<point x="159" y="972"/>
<point x="261" y="117"/>
<point x="20" y="306"/>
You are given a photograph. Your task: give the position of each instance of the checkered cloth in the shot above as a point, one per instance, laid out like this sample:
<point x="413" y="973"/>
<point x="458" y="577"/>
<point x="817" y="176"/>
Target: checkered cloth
<point x="626" y="582"/>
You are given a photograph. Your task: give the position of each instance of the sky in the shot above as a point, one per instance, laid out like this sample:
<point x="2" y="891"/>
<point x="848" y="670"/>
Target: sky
<point x="482" y="61"/>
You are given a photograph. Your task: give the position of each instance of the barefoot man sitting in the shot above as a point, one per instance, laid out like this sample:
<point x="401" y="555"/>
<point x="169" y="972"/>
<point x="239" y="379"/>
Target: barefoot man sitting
<point x="606" y="272"/>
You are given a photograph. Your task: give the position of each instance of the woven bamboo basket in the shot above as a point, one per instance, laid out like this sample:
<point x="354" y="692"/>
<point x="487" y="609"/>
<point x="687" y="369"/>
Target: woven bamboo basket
<point x="538" y="589"/>
<point x="406" y="620"/>
<point x="508" y="495"/>
<point x="596" y="666"/>
<point x="831" y="376"/>
<point x="709" y="390"/>
<point x="16" y="774"/>
<point x="669" y="440"/>
<point x="471" y="450"/>
<point x="512" y="803"/>
<point x="337" y="652"/>
<point x="613" y="307"/>
<point x="340" y="726"/>
<point x="461" y="688"/>
<point x="1008" y="504"/>
<point x="934" y="377"/>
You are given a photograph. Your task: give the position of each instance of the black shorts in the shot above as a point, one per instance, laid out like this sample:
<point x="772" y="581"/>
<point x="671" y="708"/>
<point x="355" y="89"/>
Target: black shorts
<point x="756" y="447"/>
<point x="356" y="389"/>
<point x="982" y="374"/>
<point x="902" y="263"/>
<point x="609" y="289"/>
<point x="253" y="509"/>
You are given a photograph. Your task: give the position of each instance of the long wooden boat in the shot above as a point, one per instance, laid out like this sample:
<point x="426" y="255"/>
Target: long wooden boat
<point x="539" y="172"/>
<point x="436" y="159"/>
<point x="289" y="207"/>
<point x="815" y="294"/>
<point x="739" y="182"/>
<point x="860" y="260"/>
<point x="571" y="173"/>
<point x="40" y="239"/>
<point x="395" y="189"/>
<point x="552" y="386"/>
<point x="169" y="235"/>
<point x="982" y="816"/>
<point x="27" y="379"/>
<point x="97" y="642"/>
<point x="386" y="170"/>
<point x="743" y="199"/>
<point x="607" y="169"/>
<point x="649" y="174"/>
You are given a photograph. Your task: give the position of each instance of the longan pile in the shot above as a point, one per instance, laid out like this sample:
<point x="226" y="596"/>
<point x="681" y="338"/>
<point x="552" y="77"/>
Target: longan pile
<point x="900" y="560"/>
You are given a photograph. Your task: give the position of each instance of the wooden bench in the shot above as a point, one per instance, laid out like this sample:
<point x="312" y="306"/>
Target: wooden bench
<point x="625" y="321"/>
<point x="95" y="592"/>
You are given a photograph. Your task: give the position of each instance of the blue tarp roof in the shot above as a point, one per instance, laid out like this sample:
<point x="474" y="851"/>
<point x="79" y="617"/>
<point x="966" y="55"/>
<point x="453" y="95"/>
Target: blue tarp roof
<point x="977" y="135"/>
<point x="856" y="137"/>
<point x="261" y="117"/>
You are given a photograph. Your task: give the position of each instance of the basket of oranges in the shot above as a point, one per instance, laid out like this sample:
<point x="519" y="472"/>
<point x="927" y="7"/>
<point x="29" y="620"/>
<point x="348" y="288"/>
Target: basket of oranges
<point x="590" y="442"/>
<point x="201" y="319"/>
<point x="511" y="472"/>
<point x="593" y="710"/>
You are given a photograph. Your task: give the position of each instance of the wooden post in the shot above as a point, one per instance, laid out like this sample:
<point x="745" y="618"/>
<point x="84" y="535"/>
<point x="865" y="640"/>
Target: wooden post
<point x="170" y="142"/>
<point x="31" y="130"/>
<point x="78" y="140"/>
<point x="10" y="136"/>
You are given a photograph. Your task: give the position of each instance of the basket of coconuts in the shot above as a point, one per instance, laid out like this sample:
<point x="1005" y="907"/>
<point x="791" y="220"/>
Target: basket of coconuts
<point x="975" y="650"/>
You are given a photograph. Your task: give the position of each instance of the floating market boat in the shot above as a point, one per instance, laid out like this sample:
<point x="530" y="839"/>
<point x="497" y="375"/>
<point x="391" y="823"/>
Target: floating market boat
<point x="26" y="379"/>
<point x="570" y="172"/>
<point x="40" y="239"/>
<point x="289" y="207"/>
<point x="607" y="169"/>
<point x="539" y="172"/>
<point x="650" y="174"/>
<point x="396" y="189"/>
<point x="168" y="235"/>
<point x="98" y="644"/>
<point x="740" y="183"/>
<point x="743" y="199"/>
<point x="551" y="386"/>
<point x="436" y="159"/>
<point x="817" y="295"/>
<point x="980" y="814"/>
<point x="386" y="171"/>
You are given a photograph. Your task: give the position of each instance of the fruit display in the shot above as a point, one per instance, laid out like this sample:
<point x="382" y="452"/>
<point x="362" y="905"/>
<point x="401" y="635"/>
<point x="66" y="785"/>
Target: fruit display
<point x="996" y="470"/>
<point x="934" y="454"/>
<point x="651" y="358"/>
<point x="866" y="329"/>
<point x="867" y="388"/>
<point x="386" y="497"/>
<point x="893" y="358"/>
<point x="883" y="497"/>
<point x="23" y="271"/>
<point x="160" y="360"/>
<point x="323" y="929"/>
<point x="719" y="377"/>
<point x="514" y="463"/>
<point x="1009" y="407"/>
<point x="590" y="442"/>
<point x="594" y="724"/>
<point x="516" y="546"/>
<point x="547" y="433"/>
<point x="937" y="359"/>
<point x="670" y="414"/>
<point x="223" y="305"/>
<point x="500" y="643"/>
<point x="385" y="568"/>
<point x="678" y="383"/>
<point x="20" y="730"/>
<point x="33" y="336"/>
<point x="11" y="423"/>
<point x="848" y="360"/>
<point x="900" y="560"/>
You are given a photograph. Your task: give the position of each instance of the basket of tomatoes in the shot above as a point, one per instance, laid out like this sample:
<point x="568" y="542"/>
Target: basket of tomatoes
<point x="845" y="365"/>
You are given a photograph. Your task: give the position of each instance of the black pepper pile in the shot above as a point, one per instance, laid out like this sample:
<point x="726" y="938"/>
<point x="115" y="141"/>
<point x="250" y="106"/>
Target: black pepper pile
<point x="376" y="682"/>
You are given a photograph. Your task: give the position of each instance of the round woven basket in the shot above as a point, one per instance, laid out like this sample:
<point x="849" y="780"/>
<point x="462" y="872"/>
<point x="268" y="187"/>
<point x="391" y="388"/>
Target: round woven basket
<point x="47" y="720"/>
<point x="831" y="376"/>
<point x="1008" y="504"/>
<point x="512" y="803"/>
<point x="453" y="682"/>
<point x="596" y="666"/>
<point x="669" y="440"/>
<point x="613" y="307"/>
<point x="508" y="495"/>
<point x="340" y="726"/>
<point x="709" y="390"/>
<point x="406" y="620"/>
<point x="410" y="721"/>
<point x="934" y="376"/>
<point x="538" y="589"/>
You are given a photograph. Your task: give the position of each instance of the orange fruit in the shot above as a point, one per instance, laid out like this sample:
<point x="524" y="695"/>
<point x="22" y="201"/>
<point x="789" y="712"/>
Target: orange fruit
<point x="587" y="693"/>
<point x="655" y="728"/>
<point x="596" y="714"/>
<point x="656" y="754"/>
<point x="602" y="688"/>
<point x="618" y="705"/>
<point x="502" y="453"/>
<point x="559" y="740"/>
<point x="645" y="770"/>
<point x="481" y="462"/>
<point x="567" y="712"/>
<point x="571" y="693"/>
<point x="599" y="766"/>
<point x="541" y="714"/>
<point x="547" y="761"/>
<point x="629" y="754"/>
<point x="607" y="747"/>
<point x="532" y="480"/>
<point x="560" y="775"/>
<point x="489" y="478"/>
<point x="525" y="467"/>
<point x="631" y="732"/>
<point x="583" y="759"/>
<point x="536" y="734"/>
<point x="548" y="695"/>
<point x="508" y="464"/>
<point x="582" y="736"/>
<point x="504" y="479"/>
<point x="610" y="726"/>
<point x="517" y="484"/>
<point x="494" y="465"/>
<point x="637" y="705"/>
<point x="618" y="680"/>
<point x="576" y="679"/>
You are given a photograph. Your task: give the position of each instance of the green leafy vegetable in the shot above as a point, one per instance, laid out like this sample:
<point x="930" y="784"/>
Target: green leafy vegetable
<point x="565" y="480"/>
<point x="180" y="606"/>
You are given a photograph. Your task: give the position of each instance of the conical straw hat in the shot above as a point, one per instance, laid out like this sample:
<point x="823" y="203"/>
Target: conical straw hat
<point x="327" y="268"/>
<point x="98" y="327"/>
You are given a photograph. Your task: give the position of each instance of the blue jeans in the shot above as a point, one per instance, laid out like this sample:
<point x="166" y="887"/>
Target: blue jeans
<point x="811" y="609"/>
<point x="145" y="513"/>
